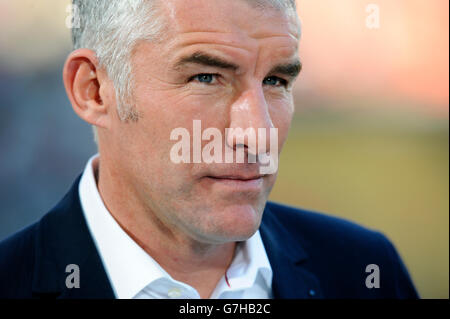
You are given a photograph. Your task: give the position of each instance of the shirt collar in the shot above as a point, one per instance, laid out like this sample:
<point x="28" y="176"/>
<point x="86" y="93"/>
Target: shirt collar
<point x="130" y="269"/>
<point x="249" y="260"/>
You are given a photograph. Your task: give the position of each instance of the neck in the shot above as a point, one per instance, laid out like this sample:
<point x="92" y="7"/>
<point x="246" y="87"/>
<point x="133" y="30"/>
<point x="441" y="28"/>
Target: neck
<point x="198" y="264"/>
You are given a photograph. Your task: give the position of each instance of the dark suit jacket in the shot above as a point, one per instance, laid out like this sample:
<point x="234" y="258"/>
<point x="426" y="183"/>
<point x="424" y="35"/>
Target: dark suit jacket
<point x="312" y="256"/>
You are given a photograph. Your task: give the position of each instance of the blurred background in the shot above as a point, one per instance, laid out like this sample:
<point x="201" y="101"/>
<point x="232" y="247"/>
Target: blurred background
<point x="369" y="140"/>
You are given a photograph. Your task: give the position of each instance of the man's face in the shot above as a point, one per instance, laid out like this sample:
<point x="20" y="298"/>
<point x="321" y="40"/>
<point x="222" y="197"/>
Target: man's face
<point x="212" y="203"/>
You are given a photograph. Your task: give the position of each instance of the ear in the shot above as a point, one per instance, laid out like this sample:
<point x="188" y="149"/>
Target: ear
<point x="87" y="87"/>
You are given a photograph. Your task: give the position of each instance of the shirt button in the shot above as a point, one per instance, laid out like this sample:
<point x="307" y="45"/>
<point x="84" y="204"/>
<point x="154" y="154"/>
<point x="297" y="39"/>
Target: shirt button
<point x="174" y="293"/>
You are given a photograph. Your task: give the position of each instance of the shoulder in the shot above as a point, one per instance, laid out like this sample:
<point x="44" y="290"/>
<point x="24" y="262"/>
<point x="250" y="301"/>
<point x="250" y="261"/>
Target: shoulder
<point x="318" y="225"/>
<point x="17" y="253"/>
<point x="334" y="234"/>
<point x="18" y="247"/>
<point x="340" y="250"/>
<point x="28" y="251"/>
<point x="319" y="233"/>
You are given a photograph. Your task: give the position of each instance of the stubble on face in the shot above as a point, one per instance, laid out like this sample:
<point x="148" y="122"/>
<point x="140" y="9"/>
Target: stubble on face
<point x="183" y="198"/>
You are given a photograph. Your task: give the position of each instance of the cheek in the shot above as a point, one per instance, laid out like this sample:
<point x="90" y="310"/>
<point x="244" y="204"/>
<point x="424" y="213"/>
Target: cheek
<point x="170" y="108"/>
<point x="281" y="114"/>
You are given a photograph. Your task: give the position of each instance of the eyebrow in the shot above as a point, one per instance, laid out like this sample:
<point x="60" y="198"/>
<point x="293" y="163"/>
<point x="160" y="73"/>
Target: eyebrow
<point x="206" y="59"/>
<point x="290" y="69"/>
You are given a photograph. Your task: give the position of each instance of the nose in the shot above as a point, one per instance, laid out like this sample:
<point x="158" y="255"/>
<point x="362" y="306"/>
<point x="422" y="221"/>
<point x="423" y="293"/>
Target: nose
<point x="250" y="122"/>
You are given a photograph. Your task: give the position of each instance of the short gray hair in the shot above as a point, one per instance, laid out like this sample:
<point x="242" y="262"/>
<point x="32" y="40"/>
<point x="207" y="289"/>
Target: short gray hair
<point x="111" y="28"/>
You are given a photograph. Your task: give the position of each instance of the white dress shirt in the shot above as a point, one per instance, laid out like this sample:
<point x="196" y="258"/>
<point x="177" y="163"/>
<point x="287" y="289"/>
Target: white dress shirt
<point x="135" y="274"/>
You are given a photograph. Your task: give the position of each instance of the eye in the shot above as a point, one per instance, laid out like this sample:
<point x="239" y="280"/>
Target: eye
<point x="274" y="81"/>
<point x="207" y="78"/>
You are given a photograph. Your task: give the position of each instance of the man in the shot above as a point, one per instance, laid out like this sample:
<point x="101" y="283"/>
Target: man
<point x="144" y="221"/>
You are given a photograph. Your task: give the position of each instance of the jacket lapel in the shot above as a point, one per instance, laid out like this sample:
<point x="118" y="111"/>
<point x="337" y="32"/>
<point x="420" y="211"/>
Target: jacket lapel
<point x="63" y="239"/>
<point x="291" y="280"/>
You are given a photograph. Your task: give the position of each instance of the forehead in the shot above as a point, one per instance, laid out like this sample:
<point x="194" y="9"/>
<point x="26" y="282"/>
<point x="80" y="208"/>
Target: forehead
<point x="230" y="21"/>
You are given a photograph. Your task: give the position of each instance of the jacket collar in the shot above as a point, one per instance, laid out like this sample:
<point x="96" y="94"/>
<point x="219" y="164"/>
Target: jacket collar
<point x="63" y="239"/>
<point x="291" y="279"/>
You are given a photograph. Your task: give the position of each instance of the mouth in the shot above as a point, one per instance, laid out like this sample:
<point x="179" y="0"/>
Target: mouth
<point x="236" y="182"/>
<point x="239" y="177"/>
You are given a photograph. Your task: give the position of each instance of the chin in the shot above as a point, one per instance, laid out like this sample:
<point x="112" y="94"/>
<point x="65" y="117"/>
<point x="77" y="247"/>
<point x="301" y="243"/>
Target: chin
<point x="235" y="223"/>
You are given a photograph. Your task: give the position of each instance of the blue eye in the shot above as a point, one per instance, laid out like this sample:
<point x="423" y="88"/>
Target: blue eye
<point x="274" y="81"/>
<point x="204" y="78"/>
